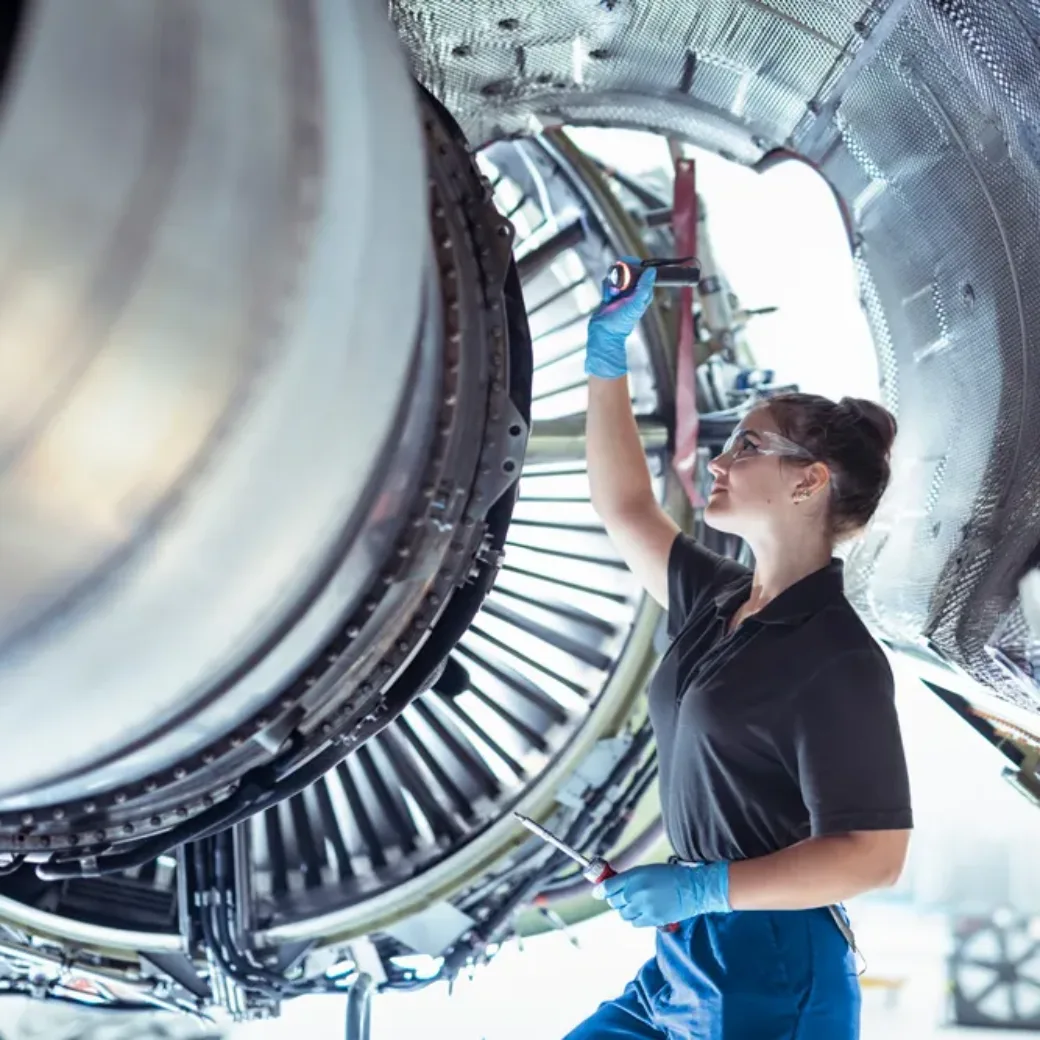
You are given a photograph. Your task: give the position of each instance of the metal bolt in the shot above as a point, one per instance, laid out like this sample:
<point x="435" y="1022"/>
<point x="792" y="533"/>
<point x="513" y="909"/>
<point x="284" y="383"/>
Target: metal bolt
<point x="120" y="798"/>
<point x="155" y="821"/>
<point x="27" y="819"/>
<point x="181" y="812"/>
<point x="207" y="800"/>
<point x="180" y="773"/>
<point x="45" y="842"/>
<point x="151" y="786"/>
<point x="59" y="814"/>
<point x="90" y="807"/>
<point x="353" y="631"/>
<point x="99" y="835"/>
<point x="208" y="758"/>
<point x="128" y="828"/>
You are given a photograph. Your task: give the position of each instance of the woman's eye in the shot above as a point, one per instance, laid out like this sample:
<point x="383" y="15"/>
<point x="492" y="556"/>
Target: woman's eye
<point x="747" y="444"/>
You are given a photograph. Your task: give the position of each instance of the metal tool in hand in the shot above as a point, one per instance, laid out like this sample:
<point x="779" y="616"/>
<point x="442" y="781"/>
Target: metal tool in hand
<point x="624" y="276"/>
<point x="594" y="869"/>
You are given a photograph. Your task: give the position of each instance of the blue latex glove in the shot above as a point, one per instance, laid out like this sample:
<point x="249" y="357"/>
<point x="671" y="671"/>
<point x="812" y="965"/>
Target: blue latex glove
<point x="664" y="892"/>
<point x="612" y="323"/>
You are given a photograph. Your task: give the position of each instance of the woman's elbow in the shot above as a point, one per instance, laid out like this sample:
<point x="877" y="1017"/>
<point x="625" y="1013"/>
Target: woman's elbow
<point x="890" y="872"/>
<point x="891" y="857"/>
<point x="885" y="854"/>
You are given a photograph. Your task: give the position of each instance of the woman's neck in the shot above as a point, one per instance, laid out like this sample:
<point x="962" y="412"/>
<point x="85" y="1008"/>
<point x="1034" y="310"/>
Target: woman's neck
<point x="777" y="571"/>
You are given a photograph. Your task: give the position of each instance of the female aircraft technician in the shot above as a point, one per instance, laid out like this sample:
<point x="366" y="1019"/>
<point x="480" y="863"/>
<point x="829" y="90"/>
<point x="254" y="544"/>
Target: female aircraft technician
<point x="783" y="783"/>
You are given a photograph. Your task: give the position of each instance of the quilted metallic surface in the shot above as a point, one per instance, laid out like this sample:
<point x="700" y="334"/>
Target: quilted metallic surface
<point x="925" y="115"/>
<point x="947" y="220"/>
<point x="728" y="72"/>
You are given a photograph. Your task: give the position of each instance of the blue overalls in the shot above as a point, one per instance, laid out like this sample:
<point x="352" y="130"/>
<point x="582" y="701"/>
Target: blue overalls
<point x="748" y="975"/>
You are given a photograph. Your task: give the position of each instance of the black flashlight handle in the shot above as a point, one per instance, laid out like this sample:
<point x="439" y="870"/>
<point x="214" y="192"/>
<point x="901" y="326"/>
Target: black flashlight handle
<point x="625" y="277"/>
<point x="671" y="275"/>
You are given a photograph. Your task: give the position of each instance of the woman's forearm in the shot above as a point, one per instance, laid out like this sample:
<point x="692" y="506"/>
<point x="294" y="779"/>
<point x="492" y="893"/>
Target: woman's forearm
<point x="618" y="474"/>
<point x="819" y="871"/>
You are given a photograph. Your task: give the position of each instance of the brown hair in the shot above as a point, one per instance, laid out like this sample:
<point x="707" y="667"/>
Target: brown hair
<point x="853" y="437"/>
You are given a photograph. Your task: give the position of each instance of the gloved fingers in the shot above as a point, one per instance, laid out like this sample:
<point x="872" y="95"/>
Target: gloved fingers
<point x="615" y="899"/>
<point x="629" y="913"/>
<point x="609" y="887"/>
<point x="645" y="288"/>
<point x="634" y="302"/>
<point x="609" y="293"/>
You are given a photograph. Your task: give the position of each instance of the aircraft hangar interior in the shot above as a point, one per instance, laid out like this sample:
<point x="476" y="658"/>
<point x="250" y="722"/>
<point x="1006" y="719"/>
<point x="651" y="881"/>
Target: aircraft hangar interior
<point x="304" y="594"/>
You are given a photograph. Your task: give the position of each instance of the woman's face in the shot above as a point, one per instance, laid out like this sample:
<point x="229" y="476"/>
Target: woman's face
<point x="756" y="478"/>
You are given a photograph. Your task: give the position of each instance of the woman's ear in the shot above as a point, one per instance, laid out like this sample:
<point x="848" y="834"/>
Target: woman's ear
<point x="816" y="479"/>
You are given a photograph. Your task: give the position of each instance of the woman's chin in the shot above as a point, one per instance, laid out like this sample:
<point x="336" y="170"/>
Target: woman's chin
<point x="717" y="515"/>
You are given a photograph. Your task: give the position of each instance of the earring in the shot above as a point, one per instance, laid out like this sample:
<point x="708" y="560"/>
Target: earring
<point x="802" y="496"/>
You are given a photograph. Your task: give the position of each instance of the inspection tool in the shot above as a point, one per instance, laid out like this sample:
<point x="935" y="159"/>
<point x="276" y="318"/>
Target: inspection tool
<point x="593" y="870"/>
<point x="624" y="276"/>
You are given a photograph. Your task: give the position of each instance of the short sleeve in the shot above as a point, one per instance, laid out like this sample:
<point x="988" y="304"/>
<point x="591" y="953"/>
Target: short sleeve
<point x="847" y="751"/>
<point x="694" y="573"/>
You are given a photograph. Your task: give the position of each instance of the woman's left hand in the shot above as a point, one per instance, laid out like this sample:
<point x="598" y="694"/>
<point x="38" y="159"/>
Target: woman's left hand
<point x="662" y="893"/>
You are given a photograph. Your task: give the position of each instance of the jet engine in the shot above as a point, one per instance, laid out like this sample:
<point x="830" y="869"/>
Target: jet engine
<point x="302" y="591"/>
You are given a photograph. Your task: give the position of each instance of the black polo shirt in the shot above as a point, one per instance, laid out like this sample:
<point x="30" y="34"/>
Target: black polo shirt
<point x="781" y="730"/>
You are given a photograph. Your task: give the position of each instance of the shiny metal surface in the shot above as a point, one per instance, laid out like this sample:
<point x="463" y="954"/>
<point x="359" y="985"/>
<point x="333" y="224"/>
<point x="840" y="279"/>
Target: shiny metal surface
<point x="66" y="929"/>
<point x="620" y="697"/>
<point x="522" y="680"/>
<point x="923" y="118"/>
<point x="541" y="832"/>
<point x="195" y="389"/>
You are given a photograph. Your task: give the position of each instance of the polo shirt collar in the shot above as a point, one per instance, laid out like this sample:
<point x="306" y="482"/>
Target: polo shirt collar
<point x="801" y="600"/>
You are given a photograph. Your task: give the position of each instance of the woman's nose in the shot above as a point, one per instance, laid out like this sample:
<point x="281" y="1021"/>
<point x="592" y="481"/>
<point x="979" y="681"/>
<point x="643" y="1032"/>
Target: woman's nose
<point x="716" y="467"/>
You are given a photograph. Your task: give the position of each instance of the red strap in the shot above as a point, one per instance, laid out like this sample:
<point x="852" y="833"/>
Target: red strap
<point x="684" y="227"/>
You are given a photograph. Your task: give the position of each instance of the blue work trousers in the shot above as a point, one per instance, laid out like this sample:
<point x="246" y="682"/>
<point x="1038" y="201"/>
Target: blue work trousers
<point x="749" y="975"/>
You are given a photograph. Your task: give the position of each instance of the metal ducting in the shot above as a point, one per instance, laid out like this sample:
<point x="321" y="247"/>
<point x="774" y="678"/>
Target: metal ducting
<point x="276" y="349"/>
<point x="241" y="505"/>
<point x="553" y="661"/>
<point x="922" y="114"/>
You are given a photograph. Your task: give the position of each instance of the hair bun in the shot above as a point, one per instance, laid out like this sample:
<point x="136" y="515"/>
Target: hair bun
<point x="880" y="421"/>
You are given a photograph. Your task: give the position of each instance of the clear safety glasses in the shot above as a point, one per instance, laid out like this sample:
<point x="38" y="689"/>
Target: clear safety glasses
<point x="749" y="444"/>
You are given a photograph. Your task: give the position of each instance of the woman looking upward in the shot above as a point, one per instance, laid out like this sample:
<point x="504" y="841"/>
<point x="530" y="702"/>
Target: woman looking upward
<point x="782" y="777"/>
